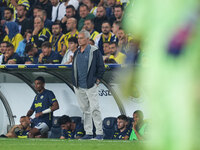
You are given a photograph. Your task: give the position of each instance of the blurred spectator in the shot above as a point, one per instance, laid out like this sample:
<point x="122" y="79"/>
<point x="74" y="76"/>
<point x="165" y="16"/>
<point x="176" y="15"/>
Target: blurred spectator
<point x="48" y="56"/>
<point x="46" y="5"/>
<point x="15" y="3"/>
<point x="40" y="34"/>
<point x="47" y="22"/>
<point x="22" y="21"/>
<point x="8" y="15"/>
<point x="13" y="36"/>
<point x="116" y="54"/>
<point x="73" y="32"/>
<point x="115" y="27"/>
<point x="70" y="130"/>
<point x="106" y="50"/>
<point x="57" y="38"/>
<point x="84" y="14"/>
<point x="139" y="126"/>
<point x="70" y="13"/>
<point x="123" y="132"/>
<point x="133" y="52"/>
<point x="32" y="54"/>
<point x="100" y="18"/>
<point x="110" y="7"/>
<point x="91" y="6"/>
<point x="105" y="36"/>
<point x="27" y="39"/>
<point x="58" y="10"/>
<point x="124" y="41"/>
<point x="73" y="45"/>
<point x="118" y="14"/>
<point x="89" y="26"/>
<point x="10" y="57"/>
<point x="74" y="3"/>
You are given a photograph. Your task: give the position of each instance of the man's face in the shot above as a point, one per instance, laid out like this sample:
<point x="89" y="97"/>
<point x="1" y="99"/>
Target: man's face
<point x="8" y="15"/>
<point x="136" y="118"/>
<point x="39" y="85"/>
<point x="56" y="30"/>
<point x="25" y="122"/>
<point x="115" y="28"/>
<point x="100" y="12"/>
<point x="9" y="51"/>
<point x="118" y="12"/>
<point x="88" y="25"/>
<point x="120" y="35"/>
<point x="35" y="11"/>
<point x="66" y="126"/>
<point x="70" y="12"/>
<point x="38" y="23"/>
<point x="106" y="48"/>
<point x="121" y="124"/>
<point x="3" y="48"/>
<point x="72" y="45"/>
<point x="113" y="49"/>
<point x="82" y="40"/>
<point x="83" y="12"/>
<point x="105" y="28"/>
<point x="46" y="51"/>
<point x="70" y="24"/>
<point x="20" y="11"/>
<point x="54" y="2"/>
<point x="110" y="3"/>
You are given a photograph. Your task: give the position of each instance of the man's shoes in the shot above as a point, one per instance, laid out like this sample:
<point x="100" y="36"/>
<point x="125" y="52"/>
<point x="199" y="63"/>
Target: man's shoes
<point x="87" y="137"/>
<point x="98" y="137"/>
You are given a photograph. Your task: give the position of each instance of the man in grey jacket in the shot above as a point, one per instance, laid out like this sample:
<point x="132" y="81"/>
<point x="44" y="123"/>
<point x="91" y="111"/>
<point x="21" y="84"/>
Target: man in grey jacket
<point x="88" y="69"/>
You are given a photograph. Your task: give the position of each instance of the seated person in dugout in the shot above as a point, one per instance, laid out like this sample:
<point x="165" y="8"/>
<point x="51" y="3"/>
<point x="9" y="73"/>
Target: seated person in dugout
<point x="123" y="132"/>
<point x="139" y="126"/>
<point x="70" y="130"/>
<point x="21" y="130"/>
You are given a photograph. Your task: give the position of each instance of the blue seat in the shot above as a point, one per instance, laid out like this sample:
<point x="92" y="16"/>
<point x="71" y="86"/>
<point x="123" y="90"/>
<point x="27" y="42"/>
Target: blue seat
<point x="55" y="131"/>
<point x="109" y="127"/>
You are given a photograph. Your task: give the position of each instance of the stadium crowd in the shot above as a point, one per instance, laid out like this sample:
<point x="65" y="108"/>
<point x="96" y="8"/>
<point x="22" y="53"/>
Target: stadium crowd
<point x="46" y="31"/>
<point x="84" y="33"/>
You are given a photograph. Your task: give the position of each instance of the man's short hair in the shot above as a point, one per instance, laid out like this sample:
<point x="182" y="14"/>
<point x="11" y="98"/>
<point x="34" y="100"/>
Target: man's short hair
<point x="44" y="13"/>
<point x="123" y="117"/>
<point x="84" y="5"/>
<point x="29" y="47"/>
<point x="9" y="9"/>
<point x="4" y="42"/>
<point x="40" y="78"/>
<point x="91" y="20"/>
<point x="10" y="45"/>
<point x="47" y="44"/>
<point x="73" y="39"/>
<point x="64" y="119"/>
<point x="56" y="23"/>
<point x="86" y="33"/>
<point x="106" y="21"/>
<point x="117" y="23"/>
<point x="38" y="7"/>
<point x="25" y="8"/>
<point x="116" y="44"/>
<point x="70" y="6"/>
<point x="119" y="6"/>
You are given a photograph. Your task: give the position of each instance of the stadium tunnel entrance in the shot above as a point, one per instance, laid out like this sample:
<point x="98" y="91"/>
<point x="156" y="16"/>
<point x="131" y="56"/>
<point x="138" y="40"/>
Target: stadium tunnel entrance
<point x="17" y="92"/>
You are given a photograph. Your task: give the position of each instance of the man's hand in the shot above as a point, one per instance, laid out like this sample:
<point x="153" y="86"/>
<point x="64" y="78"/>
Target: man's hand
<point x="134" y="125"/>
<point x="11" y="61"/>
<point x="64" y="19"/>
<point x="97" y="82"/>
<point x="40" y="57"/>
<point x="35" y="31"/>
<point x="38" y="114"/>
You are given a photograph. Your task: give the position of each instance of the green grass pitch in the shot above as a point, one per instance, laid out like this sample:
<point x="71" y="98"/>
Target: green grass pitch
<point x="56" y="144"/>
